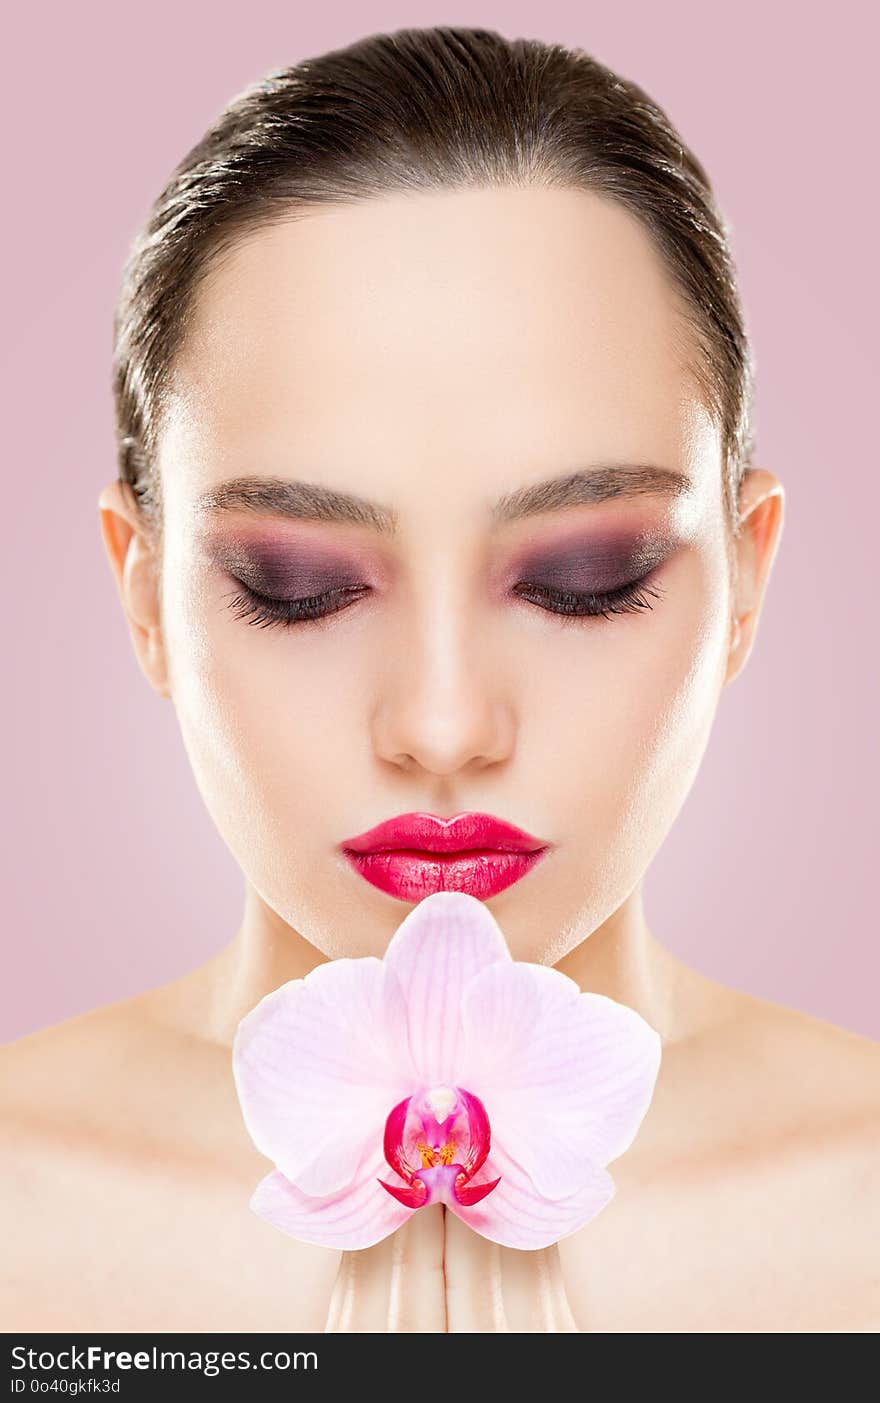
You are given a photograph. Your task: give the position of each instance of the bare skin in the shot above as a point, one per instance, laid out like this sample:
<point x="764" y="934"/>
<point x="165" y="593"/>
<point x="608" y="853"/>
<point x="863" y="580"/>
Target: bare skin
<point x="431" y="354"/>
<point x="748" y="1202"/>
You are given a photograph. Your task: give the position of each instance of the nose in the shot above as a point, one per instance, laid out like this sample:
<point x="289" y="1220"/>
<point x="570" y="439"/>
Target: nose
<point x="444" y="703"/>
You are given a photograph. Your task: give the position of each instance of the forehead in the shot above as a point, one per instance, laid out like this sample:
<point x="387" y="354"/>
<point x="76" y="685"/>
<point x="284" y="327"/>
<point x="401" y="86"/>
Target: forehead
<point x="499" y="330"/>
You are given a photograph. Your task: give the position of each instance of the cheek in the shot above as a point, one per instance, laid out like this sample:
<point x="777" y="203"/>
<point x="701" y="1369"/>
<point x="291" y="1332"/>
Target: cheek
<point x="622" y="717"/>
<point x="265" y="716"/>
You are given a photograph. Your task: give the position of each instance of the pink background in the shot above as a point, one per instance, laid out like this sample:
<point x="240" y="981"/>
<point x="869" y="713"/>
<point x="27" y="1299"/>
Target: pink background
<point x="116" y="879"/>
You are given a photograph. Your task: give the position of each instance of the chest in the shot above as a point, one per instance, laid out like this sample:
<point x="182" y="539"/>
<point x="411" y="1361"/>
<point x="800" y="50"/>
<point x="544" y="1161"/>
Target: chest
<point x="737" y="1248"/>
<point x="161" y="1244"/>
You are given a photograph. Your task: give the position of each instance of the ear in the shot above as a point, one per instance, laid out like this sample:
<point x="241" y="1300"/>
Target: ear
<point x="131" y="550"/>
<point x="761" y="514"/>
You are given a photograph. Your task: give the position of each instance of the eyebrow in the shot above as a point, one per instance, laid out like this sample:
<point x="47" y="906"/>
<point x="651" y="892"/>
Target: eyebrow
<point x="306" y="501"/>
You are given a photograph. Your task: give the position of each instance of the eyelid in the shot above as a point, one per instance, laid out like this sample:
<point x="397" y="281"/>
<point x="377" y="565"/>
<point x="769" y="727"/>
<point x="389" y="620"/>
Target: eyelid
<point x="607" y="564"/>
<point x="278" y="568"/>
<point x="289" y="566"/>
<point x="281" y="586"/>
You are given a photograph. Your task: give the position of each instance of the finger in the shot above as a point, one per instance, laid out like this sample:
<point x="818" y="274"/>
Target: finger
<point x="359" y="1299"/>
<point x="417" y="1302"/>
<point x="556" y="1306"/>
<point x="535" y="1297"/>
<point x="474" y="1298"/>
<point x="397" y="1285"/>
<point x="335" y="1310"/>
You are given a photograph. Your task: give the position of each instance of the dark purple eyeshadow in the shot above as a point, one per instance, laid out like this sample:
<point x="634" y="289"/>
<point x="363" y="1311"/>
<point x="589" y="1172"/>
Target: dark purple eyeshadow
<point x="281" y="573"/>
<point x="591" y="564"/>
<point x="582" y="563"/>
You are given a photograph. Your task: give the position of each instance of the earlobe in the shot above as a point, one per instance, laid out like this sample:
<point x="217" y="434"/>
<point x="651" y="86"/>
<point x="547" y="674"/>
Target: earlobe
<point x="130" y="549"/>
<point x="761" y="515"/>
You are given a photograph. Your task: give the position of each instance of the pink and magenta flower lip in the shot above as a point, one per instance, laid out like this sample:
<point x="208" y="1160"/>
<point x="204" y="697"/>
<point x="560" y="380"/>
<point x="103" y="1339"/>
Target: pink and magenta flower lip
<point x="424" y="1148"/>
<point x="416" y="854"/>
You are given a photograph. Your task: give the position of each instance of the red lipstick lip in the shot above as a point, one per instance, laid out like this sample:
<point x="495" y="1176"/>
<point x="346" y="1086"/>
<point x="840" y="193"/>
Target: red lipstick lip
<point x="424" y="832"/>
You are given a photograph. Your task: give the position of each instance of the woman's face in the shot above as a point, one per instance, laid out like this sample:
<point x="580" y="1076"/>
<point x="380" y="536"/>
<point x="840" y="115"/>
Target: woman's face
<point x="439" y="356"/>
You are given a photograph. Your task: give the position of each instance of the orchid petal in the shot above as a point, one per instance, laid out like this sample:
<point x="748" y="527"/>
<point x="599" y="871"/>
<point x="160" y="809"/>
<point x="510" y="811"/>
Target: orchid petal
<point x="437" y="949"/>
<point x="567" y="1076"/>
<point x="360" y="1215"/>
<point x="516" y="1214"/>
<point x="317" y="1063"/>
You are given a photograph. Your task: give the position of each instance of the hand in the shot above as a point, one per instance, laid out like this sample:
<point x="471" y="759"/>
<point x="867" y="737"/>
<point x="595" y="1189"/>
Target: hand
<point x="436" y="1275"/>
<point x="499" y="1289"/>
<point x="396" y="1286"/>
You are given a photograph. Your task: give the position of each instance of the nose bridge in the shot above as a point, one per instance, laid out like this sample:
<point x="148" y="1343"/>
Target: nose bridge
<point x="443" y="701"/>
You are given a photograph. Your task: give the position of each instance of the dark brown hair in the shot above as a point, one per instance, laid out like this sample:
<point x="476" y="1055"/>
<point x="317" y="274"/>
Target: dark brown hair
<point x="426" y="109"/>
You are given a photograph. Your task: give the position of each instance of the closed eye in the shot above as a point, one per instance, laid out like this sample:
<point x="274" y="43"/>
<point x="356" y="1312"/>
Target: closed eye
<point x="625" y="599"/>
<point x="264" y="612"/>
<point x="259" y="609"/>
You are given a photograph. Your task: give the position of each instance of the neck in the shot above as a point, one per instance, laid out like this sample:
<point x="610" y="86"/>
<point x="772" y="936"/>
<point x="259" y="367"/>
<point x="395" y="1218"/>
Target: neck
<point x="620" y="959"/>
<point x="623" y="960"/>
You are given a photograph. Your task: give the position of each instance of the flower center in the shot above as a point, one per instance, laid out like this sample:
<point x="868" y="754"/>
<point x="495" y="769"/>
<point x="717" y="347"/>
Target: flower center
<point x="436" y="1140"/>
<point x="440" y="1101"/>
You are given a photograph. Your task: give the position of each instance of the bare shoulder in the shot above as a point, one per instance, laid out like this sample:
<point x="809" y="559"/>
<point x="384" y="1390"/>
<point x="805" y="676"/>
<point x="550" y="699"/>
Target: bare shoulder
<point x="759" y="1160"/>
<point x="813" y="1070"/>
<point x="117" y="1075"/>
<point x="125" y="1175"/>
<point x="111" y="1090"/>
<point x="62" y="1120"/>
<point x="805" y="1094"/>
<point x="78" y="1075"/>
<point x="71" y="1097"/>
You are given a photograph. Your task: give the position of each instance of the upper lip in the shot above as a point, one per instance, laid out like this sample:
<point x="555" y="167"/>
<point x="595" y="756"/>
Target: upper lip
<point x="427" y="833"/>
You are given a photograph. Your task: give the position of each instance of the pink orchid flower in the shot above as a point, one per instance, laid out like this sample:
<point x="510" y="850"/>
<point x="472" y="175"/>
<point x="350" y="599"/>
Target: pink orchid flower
<point x="444" y="1072"/>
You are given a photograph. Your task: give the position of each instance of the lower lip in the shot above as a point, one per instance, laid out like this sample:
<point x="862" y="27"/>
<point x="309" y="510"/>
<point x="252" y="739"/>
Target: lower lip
<point x="411" y="876"/>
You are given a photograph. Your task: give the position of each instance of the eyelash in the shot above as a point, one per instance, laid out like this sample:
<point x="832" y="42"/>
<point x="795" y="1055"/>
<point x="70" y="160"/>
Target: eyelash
<point x="570" y="606"/>
<point x="574" y="606"/>
<point x="258" y="609"/>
